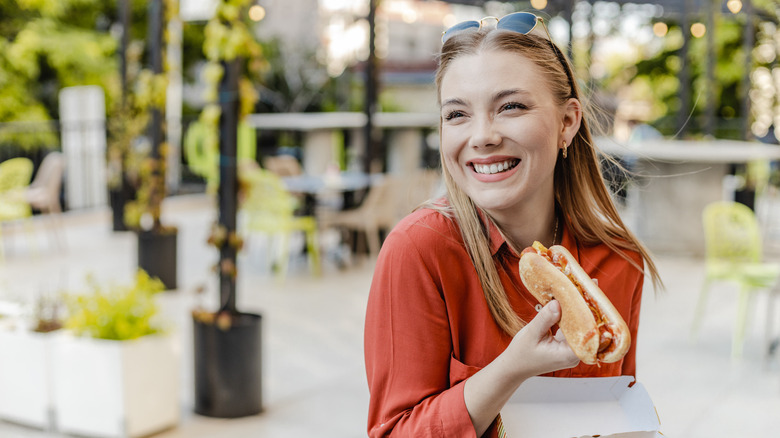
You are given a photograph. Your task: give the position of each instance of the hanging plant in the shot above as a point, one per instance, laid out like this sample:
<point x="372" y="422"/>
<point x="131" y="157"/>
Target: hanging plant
<point x="227" y="39"/>
<point x="149" y="97"/>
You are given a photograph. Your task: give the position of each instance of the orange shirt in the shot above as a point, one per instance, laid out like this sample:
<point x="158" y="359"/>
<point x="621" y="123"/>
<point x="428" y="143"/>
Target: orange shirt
<point x="428" y="327"/>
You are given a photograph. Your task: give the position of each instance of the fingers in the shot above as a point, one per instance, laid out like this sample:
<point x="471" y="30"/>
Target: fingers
<point x="547" y="317"/>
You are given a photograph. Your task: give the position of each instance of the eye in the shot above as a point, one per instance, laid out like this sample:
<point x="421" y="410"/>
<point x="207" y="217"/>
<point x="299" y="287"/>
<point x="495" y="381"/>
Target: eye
<point x="513" y="106"/>
<point x="453" y="114"/>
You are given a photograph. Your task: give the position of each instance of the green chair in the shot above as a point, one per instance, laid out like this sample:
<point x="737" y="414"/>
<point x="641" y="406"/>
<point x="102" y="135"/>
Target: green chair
<point x="267" y="207"/>
<point x="15" y="177"/>
<point x="734" y="254"/>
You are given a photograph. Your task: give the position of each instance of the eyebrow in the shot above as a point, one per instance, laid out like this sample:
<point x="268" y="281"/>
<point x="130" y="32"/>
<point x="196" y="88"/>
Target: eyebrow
<point x="496" y="97"/>
<point x="453" y="101"/>
<point x="506" y="93"/>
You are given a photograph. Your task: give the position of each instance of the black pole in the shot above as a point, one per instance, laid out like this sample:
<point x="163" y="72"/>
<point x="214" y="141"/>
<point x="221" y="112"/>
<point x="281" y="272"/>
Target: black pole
<point x="685" y="75"/>
<point x="125" y="191"/>
<point x="155" y="33"/>
<point x="124" y="19"/>
<point x="228" y="184"/>
<point x="568" y="13"/>
<point x="372" y="85"/>
<point x="709" y="122"/>
<point x="747" y="47"/>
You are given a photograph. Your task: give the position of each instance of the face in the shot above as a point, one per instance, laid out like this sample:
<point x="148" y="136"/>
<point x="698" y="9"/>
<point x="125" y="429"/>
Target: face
<point x="501" y="131"/>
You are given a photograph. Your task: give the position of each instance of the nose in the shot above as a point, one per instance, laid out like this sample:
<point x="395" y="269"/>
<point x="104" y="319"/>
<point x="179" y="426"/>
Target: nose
<point x="485" y="133"/>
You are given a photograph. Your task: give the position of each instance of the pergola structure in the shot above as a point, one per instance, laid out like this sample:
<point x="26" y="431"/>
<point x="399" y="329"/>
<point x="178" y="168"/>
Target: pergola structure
<point x="683" y="12"/>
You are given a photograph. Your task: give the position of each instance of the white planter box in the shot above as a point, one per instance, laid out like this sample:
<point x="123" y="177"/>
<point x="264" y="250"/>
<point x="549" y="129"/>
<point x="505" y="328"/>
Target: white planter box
<point x="25" y="377"/>
<point x="116" y="388"/>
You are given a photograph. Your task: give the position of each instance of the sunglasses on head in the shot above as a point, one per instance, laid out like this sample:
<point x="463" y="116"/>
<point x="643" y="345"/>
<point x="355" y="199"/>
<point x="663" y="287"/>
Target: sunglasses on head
<point x="519" y="22"/>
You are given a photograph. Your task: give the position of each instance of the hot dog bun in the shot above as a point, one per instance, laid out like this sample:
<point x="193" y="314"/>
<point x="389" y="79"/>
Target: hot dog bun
<point x="593" y="327"/>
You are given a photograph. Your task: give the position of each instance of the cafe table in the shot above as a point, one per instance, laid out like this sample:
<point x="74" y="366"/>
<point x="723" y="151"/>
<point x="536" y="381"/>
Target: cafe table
<point x="315" y="187"/>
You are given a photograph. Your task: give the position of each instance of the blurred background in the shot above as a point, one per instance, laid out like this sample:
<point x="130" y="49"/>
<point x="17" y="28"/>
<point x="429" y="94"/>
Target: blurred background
<point x="193" y="194"/>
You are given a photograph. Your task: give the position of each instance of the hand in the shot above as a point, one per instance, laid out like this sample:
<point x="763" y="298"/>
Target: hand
<point x="536" y="350"/>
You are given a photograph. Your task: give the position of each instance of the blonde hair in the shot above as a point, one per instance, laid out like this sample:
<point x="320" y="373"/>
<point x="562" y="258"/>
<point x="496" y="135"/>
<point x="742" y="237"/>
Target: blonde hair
<point x="580" y="193"/>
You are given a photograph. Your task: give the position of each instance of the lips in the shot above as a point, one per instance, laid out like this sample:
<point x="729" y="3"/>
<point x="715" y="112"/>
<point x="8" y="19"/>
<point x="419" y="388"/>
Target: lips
<point x="495" y="167"/>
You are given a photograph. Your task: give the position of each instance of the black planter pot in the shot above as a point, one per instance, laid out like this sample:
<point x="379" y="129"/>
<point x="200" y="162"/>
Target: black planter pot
<point x="157" y="255"/>
<point x="228" y="368"/>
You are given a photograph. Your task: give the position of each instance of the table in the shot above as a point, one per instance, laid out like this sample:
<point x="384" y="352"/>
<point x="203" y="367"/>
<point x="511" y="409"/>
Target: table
<point x="320" y="146"/>
<point x="674" y="180"/>
<point x="315" y="186"/>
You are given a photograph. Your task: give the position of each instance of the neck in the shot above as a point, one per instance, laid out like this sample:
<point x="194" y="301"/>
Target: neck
<point x="522" y="231"/>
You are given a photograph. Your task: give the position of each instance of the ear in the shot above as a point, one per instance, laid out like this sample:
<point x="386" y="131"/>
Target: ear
<point x="572" y="117"/>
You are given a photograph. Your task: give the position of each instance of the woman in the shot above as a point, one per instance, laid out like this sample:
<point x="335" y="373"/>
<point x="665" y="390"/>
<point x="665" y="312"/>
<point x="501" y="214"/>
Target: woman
<point x="451" y="332"/>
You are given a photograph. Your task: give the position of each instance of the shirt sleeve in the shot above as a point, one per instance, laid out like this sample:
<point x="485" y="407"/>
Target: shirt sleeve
<point x="408" y="348"/>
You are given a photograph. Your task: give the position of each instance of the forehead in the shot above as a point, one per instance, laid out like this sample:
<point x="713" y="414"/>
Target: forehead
<point x="487" y="72"/>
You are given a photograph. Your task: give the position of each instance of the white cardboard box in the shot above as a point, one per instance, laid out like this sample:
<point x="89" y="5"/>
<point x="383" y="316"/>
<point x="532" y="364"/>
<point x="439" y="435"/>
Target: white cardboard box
<point x="554" y="407"/>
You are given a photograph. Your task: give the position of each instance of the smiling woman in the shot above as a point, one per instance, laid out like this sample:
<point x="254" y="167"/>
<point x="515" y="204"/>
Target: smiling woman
<point x="451" y="331"/>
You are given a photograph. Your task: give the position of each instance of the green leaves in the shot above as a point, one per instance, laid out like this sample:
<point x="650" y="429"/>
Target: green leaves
<point x="117" y="312"/>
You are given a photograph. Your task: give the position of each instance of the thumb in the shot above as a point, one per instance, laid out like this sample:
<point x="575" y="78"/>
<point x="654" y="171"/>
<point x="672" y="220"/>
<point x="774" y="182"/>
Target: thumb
<point x="546" y="318"/>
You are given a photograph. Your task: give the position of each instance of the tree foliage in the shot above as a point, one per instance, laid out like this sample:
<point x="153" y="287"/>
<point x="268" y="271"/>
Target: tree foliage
<point x="656" y="78"/>
<point x="45" y="46"/>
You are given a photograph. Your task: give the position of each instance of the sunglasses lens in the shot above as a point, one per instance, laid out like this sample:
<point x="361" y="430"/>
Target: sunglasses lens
<point x="458" y="28"/>
<point x="520" y="22"/>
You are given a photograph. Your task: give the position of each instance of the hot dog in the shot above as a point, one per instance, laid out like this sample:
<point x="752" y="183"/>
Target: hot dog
<point x="593" y="327"/>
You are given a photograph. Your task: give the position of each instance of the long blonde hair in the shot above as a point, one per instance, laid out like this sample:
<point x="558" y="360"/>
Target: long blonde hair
<point x="580" y="193"/>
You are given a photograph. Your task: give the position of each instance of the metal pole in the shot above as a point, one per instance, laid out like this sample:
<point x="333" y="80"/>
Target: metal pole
<point x="371" y="92"/>
<point x="748" y="41"/>
<point x="124" y="19"/>
<point x="568" y="12"/>
<point x="685" y="76"/>
<point x="709" y="123"/>
<point x="156" y="135"/>
<point x="156" y="14"/>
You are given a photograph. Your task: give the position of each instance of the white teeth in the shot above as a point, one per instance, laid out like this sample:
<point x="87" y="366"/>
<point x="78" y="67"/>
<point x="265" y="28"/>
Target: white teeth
<point x="490" y="169"/>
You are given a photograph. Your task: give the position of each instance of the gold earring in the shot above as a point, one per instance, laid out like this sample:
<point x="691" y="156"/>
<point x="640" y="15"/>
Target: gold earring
<point x="564" y="149"/>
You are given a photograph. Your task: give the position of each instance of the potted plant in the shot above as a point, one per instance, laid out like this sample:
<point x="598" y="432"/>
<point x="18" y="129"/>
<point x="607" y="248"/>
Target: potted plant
<point x="116" y="367"/>
<point x="227" y="342"/>
<point x="26" y="366"/>
<point x="157" y="243"/>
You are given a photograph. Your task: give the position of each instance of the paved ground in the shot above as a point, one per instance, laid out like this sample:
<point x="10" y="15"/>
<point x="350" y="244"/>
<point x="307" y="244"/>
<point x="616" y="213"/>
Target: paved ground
<point x="313" y="369"/>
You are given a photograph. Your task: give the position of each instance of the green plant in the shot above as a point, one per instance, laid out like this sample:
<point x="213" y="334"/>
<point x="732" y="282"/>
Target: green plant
<point x="117" y="312"/>
<point x="149" y="99"/>
<point x="229" y="47"/>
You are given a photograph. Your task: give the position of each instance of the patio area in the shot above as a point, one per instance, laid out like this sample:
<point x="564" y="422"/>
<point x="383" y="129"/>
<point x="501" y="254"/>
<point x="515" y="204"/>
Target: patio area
<point x="314" y="383"/>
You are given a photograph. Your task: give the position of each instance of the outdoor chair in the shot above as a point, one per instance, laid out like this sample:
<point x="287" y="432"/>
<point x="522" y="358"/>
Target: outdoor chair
<point x="283" y="165"/>
<point x="416" y="188"/>
<point x="267" y="207"/>
<point x="734" y="254"/>
<point x="378" y="211"/>
<point x="15" y="175"/>
<point x="43" y="194"/>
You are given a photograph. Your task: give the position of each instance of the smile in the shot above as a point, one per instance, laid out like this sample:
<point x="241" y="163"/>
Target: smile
<point x="490" y="169"/>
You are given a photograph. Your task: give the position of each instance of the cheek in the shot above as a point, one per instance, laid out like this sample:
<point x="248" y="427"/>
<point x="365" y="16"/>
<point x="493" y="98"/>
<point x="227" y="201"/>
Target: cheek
<point x="450" y="149"/>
